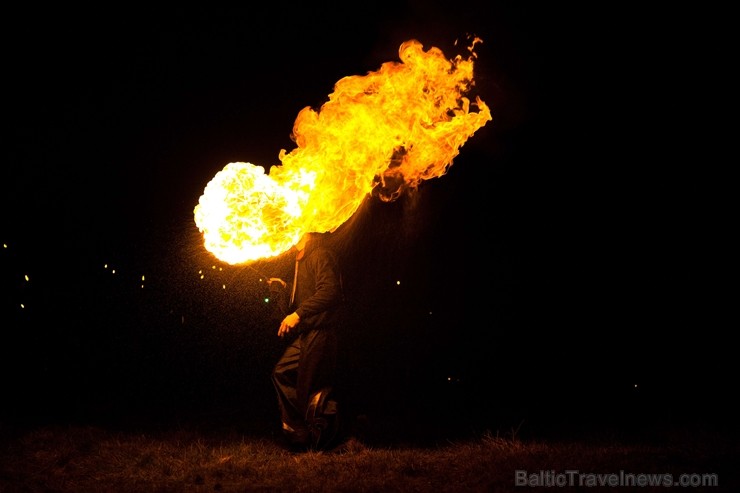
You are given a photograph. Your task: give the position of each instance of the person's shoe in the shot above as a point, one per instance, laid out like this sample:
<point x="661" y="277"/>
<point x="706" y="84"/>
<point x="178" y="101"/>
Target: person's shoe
<point x="322" y="419"/>
<point x="294" y="440"/>
<point x="292" y="446"/>
<point x="349" y="445"/>
<point x="298" y="448"/>
<point x="325" y="431"/>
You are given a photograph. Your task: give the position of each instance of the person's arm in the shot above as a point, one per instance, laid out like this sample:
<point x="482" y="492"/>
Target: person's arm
<point x="278" y="297"/>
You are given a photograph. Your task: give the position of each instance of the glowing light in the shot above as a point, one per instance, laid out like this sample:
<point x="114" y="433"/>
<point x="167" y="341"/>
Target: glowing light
<point x="383" y="132"/>
<point x="26" y="276"/>
<point x="398" y="283"/>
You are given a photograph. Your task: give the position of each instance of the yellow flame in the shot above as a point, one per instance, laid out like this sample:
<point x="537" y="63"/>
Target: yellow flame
<point x="379" y="133"/>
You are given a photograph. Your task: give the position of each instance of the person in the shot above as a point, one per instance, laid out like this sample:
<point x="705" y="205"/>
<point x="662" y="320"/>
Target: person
<point x="304" y="375"/>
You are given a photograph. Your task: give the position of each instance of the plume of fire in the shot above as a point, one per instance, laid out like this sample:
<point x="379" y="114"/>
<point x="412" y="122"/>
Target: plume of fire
<point x="379" y="133"/>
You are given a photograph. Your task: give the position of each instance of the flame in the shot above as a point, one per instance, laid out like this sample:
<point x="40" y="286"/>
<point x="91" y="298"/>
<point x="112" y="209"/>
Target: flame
<point x="380" y="133"/>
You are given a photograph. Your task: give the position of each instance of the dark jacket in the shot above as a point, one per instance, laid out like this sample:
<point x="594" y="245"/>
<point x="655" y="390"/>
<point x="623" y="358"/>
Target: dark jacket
<point x="319" y="295"/>
<point x="319" y="292"/>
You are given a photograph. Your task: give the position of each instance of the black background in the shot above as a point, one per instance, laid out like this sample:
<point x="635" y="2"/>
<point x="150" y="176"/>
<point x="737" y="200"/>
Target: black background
<point x="563" y="269"/>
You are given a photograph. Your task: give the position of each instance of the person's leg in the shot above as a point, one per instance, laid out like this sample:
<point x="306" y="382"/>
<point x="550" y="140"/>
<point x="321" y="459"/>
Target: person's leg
<point x="315" y="389"/>
<point x="285" y="379"/>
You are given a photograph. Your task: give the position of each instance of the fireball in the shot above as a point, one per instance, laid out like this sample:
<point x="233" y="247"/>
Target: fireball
<point x="380" y="133"/>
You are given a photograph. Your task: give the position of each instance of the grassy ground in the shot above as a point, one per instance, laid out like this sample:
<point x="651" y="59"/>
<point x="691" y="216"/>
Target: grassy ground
<point x="187" y="458"/>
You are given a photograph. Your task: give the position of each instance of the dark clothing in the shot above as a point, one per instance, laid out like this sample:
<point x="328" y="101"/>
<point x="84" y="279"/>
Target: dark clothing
<point x="304" y="382"/>
<point x="318" y="288"/>
<point x="304" y="376"/>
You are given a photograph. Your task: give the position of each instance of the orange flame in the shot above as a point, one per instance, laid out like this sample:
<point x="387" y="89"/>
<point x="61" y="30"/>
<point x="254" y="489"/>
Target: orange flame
<point x="383" y="132"/>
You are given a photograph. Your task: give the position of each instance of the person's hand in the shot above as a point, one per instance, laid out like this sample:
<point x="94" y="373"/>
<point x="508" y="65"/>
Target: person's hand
<point x="278" y="280"/>
<point x="288" y="324"/>
<point x="276" y="286"/>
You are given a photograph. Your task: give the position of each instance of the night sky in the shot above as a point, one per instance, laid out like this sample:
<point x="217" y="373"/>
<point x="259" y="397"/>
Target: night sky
<point x="564" y="266"/>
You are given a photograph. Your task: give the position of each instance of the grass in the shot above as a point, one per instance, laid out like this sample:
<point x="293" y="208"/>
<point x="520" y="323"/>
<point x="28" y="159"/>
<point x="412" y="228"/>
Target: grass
<point x="87" y="458"/>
